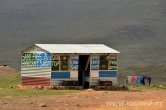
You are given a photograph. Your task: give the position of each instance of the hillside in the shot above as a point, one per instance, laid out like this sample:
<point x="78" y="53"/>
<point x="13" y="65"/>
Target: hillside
<point x="6" y="70"/>
<point x="134" y="27"/>
<point x="156" y="72"/>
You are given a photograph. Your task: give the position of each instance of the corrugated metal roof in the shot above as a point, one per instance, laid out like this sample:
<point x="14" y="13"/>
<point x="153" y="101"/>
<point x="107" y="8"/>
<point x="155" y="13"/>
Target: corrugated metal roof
<point x="77" y="48"/>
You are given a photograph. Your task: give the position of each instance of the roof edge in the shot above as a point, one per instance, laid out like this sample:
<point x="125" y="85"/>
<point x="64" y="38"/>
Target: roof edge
<point x="29" y="47"/>
<point x="41" y="47"/>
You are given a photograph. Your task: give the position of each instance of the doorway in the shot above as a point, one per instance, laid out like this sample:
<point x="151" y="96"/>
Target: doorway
<point x="84" y="71"/>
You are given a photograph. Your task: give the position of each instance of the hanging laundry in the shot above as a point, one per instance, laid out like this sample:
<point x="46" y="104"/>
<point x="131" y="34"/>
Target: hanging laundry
<point x="129" y="79"/>
<point x="134" y="79"/>
<point x="139" y="79"/>
<point x="146" y="78"/>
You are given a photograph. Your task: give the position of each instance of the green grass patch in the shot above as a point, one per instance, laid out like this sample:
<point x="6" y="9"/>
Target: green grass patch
<point x="33" y="92"/>
<point x="9" y="82"/>
<point x="143" y="88"/>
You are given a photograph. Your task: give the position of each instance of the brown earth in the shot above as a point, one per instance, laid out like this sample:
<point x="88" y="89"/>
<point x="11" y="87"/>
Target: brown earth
<point x="89" y="100"/>
<point x="4" y="69"/>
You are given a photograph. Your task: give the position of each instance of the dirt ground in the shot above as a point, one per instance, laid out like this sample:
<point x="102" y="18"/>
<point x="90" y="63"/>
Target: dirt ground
<point x="89" y="100"/>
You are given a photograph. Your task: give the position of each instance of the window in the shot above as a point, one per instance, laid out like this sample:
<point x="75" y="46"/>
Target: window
<point x="64" y="62"/>
<point x="103" y="62"/>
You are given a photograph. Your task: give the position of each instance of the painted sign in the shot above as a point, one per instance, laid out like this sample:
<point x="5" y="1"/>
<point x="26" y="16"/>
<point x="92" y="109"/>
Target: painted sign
<point x="95" y="63"/>
<point x="55" y="63"/>
<point x="74" y="62"/>
<point x="113" y="62"/>
<point x="29" y="59"/>
<point x="43" y="60"/>
<point x="36" y="59"/>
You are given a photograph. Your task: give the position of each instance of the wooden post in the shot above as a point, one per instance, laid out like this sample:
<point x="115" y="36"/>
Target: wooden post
<point x="90" y="58"/>
<point x="88" y="61"/>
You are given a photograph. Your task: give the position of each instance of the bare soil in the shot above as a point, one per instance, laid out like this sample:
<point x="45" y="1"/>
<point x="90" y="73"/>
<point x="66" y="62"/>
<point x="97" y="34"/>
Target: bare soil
<point x="89" y="100"/>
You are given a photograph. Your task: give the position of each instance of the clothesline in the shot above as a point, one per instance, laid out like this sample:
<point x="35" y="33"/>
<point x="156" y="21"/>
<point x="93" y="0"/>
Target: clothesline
<point x="138" y="80"/>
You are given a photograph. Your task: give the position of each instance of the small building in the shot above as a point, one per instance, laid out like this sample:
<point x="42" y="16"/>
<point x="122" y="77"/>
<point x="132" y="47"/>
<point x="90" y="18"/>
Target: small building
<point x="85" y="65"/>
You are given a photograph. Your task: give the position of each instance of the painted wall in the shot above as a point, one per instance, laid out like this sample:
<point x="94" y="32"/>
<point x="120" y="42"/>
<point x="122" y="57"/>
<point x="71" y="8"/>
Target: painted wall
<point x="35" y="67"/>
<point x="39" y="67"/>
<point x="109" y="75"/>
<point x="58" y="76"/>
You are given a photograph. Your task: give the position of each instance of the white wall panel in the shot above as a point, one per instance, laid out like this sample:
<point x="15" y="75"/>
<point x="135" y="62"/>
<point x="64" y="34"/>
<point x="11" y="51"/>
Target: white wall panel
<point x="94" y="74"/>
<point x="36" y="72"/>
<point x="74" y="74"/>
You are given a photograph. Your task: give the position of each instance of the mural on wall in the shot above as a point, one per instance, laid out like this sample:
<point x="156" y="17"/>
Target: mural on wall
<point x="43" y="59"/>
<point x="36" y="59"/>
<point x="95" y="62"/>
<point x="113" y="62"/>
<point x="29" y="59"/>
<point x="74" y="62"/>
<point x="55" y="62"/>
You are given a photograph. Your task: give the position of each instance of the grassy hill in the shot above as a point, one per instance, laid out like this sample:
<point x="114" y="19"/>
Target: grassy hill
<point x="134" y="27"/>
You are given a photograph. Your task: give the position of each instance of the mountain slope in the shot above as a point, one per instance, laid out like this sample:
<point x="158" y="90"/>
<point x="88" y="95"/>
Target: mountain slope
<point x="135" y="28"/>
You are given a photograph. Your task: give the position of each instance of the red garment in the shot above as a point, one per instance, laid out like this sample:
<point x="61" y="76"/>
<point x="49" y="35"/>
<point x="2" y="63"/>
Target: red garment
<point x="134" y="79"/>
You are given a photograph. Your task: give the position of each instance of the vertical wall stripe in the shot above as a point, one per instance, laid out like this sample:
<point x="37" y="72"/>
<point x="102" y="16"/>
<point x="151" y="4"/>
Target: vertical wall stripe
<point x="74" y="74"/>
<point x="94" y="73"/>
